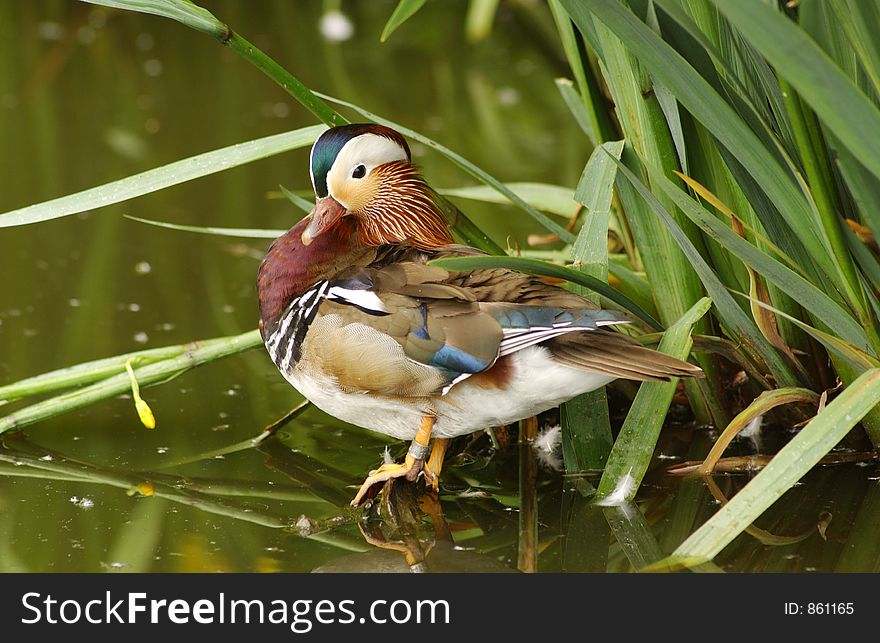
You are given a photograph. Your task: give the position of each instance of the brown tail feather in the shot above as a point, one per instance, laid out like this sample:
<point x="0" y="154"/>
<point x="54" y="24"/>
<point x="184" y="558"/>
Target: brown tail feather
<point x="618" y="355"/>
<point x="603" y="364"/>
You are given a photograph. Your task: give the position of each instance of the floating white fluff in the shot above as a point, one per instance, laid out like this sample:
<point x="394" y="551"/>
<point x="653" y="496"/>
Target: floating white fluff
<point x="621" y="493"/>
<point x="547" y="446"/>
<point x="752" y="432"/>
<point x="752" y="427"/>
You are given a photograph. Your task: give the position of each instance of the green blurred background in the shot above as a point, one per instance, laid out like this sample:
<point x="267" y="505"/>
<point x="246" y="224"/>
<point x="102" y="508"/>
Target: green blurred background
<point x="88" y="95"/>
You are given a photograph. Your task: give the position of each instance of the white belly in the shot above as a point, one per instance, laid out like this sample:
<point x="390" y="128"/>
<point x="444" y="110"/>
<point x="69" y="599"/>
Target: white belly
<point x="537" y="383"/>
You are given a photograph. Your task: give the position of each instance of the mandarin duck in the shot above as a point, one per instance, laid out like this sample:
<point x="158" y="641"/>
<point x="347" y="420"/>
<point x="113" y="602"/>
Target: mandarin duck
<point x="359" y="322"/>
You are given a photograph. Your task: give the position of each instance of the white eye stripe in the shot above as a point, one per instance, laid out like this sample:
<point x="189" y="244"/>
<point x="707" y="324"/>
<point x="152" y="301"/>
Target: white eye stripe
<point x="369" y="150"/>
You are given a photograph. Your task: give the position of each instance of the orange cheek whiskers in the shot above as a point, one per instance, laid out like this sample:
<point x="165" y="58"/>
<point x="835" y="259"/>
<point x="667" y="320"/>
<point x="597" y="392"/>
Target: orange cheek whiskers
<point x="403" y="210"/>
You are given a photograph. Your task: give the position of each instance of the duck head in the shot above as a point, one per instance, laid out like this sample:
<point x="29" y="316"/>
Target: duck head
<point x="364" y="172"/>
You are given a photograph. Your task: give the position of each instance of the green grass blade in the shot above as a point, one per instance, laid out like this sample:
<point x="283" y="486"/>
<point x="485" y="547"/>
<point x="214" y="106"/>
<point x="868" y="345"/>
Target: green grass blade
<point x="668" y="104"/>
<point x="759" y="407"/>
<point x="545" y="269"/>
<point x="791" y="463"/>
<point x="586" y="432"/>
<point x="856" y="357"/>
<point x="633" y="533"/>
<point x="823" y="189"/>
<point x="303" y="95"/>
<point x="866" y="259"/>
<point x="632" y="285"/>
<point x="182" y="11"/>
<point x="635" y="443"/>
<point x="463" y="227"/>
<point x="586" y="427"/>
<point x="404" y="10"/>
<point x="303" y="204"/>
<point x="805" y="293"/>
<point x="673" y="119"/>
<point x="248" y="233"/>
<point x="576" y="106"/>
<point x="859" y="19"/>
<point x="742" y="73"/>
<point x="675" y="284"/>
<point x="542" y="196"/>
<point x="586" y="89"/>
<point x="479" y="18"/>
<point x="191" y="15"/>
<point x="198" y="353"/>
<point x="865" y="190"/>
<point x="594" y="191"/>
<point x="708" y="107"/>
<point x="84" y="373"/>
<point x="162" y="177"/>
<point x="843" y="108"/>
<point x="739" y="325"/>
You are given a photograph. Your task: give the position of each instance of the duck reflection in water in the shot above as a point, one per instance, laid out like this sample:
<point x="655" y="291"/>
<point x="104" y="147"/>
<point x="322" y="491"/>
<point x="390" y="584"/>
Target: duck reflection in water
<point x="396" y="528"/>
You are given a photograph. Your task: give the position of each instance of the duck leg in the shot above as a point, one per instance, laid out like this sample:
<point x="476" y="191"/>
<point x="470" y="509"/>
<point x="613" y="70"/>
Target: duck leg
<point x="435" y="463"/>
<point x="410" y="468"/>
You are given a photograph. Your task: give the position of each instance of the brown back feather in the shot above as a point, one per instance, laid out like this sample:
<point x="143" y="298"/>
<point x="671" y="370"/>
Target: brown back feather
<point x="618" y="355"/>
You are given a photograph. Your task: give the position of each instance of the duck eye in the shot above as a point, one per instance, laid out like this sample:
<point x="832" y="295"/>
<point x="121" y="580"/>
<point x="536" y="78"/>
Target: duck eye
<point x="359" y="172"/>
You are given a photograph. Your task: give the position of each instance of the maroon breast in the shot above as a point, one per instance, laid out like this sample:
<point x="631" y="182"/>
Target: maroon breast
<point x="290" y="268"/>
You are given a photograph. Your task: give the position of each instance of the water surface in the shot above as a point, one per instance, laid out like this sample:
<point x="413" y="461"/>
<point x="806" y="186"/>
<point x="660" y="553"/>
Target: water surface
<point x="89" y="95"/>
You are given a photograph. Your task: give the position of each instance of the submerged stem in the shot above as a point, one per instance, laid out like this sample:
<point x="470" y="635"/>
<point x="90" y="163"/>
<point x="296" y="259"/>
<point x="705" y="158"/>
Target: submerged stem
<point x="197" y="353"/>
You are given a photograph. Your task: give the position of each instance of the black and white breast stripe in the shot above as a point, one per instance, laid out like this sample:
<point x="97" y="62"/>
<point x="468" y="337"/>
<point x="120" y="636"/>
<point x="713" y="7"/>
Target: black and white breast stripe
<point x="285" y="342"/>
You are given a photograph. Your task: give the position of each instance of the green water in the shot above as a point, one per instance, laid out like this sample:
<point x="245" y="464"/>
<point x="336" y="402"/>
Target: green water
<point x="89" y="95"/>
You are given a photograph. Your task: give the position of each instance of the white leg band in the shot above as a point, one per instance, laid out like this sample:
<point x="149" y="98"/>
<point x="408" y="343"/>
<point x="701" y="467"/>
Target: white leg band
<point x="418" y="451"/>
